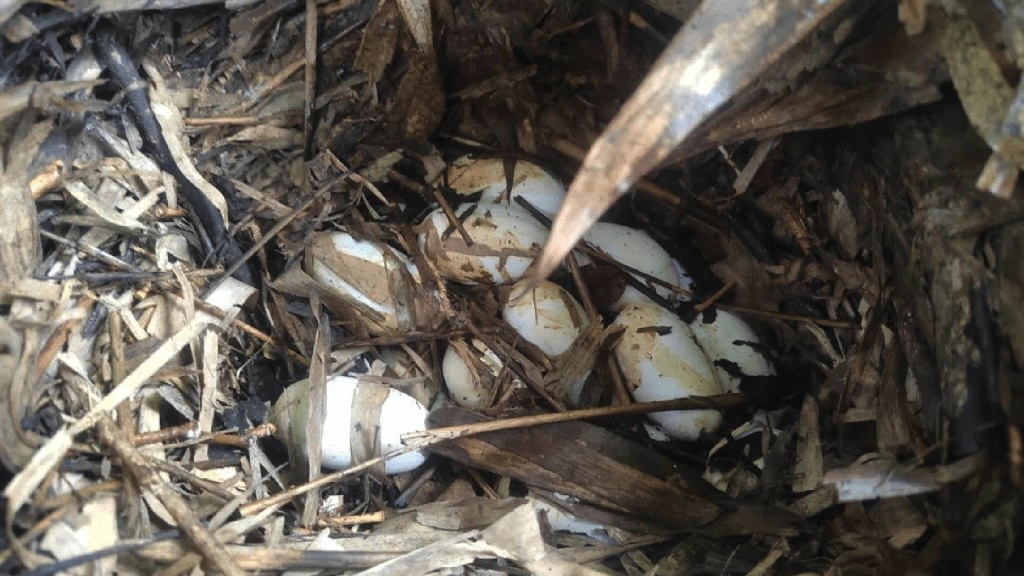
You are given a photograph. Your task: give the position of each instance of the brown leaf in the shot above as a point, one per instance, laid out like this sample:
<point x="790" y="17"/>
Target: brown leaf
<point x="380" y="38"/>
<point x="315" y="411"/>
<point x="367" y="405"/>
<point x="419" y="104"/>
<point x="698" y="73"/>
<point x="587" y="462"/>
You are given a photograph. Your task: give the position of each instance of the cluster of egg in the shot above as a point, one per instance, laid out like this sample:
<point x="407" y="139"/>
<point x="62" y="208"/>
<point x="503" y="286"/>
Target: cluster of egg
<point x="661" y="357"/>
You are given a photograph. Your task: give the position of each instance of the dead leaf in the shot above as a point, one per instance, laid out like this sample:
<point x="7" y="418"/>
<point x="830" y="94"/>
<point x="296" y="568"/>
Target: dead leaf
<point x="380" y="40"/>
<point x="420" y="101"/>
<point x="699" y="72"/>
<point x="590" y="463"/>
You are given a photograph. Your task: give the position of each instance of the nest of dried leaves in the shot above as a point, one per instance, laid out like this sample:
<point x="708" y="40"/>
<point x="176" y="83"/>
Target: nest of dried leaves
<point x="171" y="180"/>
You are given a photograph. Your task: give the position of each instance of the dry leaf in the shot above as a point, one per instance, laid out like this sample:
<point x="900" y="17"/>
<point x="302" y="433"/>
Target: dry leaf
<point x="699" y="72"/>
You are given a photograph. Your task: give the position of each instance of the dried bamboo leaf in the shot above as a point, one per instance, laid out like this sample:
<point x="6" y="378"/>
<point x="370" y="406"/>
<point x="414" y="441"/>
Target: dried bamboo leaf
<point x="114" y="6"/>
<point x="14" y="452"/>
<point x="20" y="489"/>
<point x="979" y="82"/>
<point x="169" y="117"/>
<point x="575" y="363"/>
<point x="587" y="462"/>
<point x="90" y="528"/>
<point x="416" y="14"/>
<point x="9" y="8"/>
<point x="720" y="51"/>
<point x="101" y="208"/>
<point x="365" y="442"/>
<point x="38" y="95"/>
<point x="310" y="453"/>
<point x="380" y="40"/>
<point x="809" y="469"/>
<point x="881" y="478"/>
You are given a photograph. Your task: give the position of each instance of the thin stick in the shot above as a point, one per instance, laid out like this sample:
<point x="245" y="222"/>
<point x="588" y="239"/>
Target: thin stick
<point x="102" y="256"/>
<point x="420" y="440"/>
<point x="452" y="217"/>
<point x="272" y="84"/>
<point x="692" y="403"/>
<point x="351" y="520"/>
<point x="222" y="121"/>
<point x="619" y="391"/>
<point x="221" y="316"/>
<point x="714" y="297"/>
<point x="581" y="286"/>
<point x="791" y="317"/>
<point x="273" y="232"/>
<point x="746" y="176"/>
<point x="204" y="541"/>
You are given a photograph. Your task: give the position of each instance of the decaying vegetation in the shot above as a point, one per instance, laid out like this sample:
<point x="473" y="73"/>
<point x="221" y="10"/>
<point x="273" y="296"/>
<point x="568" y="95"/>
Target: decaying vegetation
<point x="843" y="175"/>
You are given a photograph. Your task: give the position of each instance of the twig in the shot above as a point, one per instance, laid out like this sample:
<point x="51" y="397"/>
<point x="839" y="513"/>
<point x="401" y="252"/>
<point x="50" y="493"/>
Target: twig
<point x="204" y="541"/>
<point x="222" y="121"/>
<point x="351" y="520"/>
<point x="410" y="491"/>
<point x="452" y="217"/>
<point x="647" y="187"/>
<point x="581" y="287"/>
<point x="255" y="98"/>
<point x="102" y="256"/>
<point x="249" y="329"/>
<point x="831" y="323"/>
<point x="714" y="297"/>
<point x="420" y="440"/>
<point x="287" y="219"/>
<point x="121" y="547"/>
<point x="718" y="402"/>
<point x="746" y="176"/>
<point x="187" y="431"/>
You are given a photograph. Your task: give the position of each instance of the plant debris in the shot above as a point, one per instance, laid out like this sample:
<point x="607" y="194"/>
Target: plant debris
<point x="219" y="219"/>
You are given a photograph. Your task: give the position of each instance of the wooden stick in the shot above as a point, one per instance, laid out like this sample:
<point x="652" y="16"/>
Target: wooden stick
<point x="422" y="440"/>
<point x="203" y="540"/>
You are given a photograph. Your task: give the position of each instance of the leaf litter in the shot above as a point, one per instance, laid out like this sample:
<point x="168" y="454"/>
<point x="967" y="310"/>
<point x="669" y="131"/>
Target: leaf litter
<point x="171" y="179"/>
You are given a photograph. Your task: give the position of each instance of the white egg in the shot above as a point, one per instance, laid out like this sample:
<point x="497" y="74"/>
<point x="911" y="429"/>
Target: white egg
<point x="471" y="371"/>
<point x="636" y="249"/>
<point x="732" y="347"/>
<point x="486" y="176"/>
<point x="399" y="414"/>
<point x="370" y="282"/>
<point x="661" y="360"/>
<point x="684" y="280"/>
<point x="548" y="317"/>
<point x="505" y="241"/>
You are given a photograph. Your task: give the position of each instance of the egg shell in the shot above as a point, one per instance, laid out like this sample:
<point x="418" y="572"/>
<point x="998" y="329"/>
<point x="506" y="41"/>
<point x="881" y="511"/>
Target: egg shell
<point x="732" y="347"/>
<point x="370" y="282"/>
<point x="400" y="414"/>
<point x="471" y="371"/>
<point x="661" y="360"/>
<point x="486" y="176"/>
<point x="684" y="280"/>
<point x="636" y="249"/>
<point x="506" y="239"/>
<point x="548" y="317"/>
